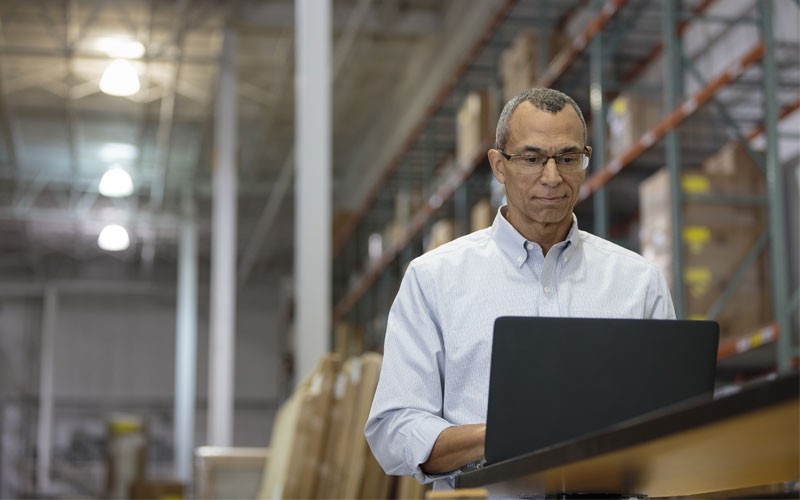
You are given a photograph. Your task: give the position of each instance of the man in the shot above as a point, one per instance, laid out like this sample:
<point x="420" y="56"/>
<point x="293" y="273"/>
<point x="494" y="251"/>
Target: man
<point x="427" y="418"/>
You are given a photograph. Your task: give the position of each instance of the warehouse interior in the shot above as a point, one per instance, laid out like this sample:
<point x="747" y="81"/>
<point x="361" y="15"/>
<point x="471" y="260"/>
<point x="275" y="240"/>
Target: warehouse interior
<point x="110" y="350"/>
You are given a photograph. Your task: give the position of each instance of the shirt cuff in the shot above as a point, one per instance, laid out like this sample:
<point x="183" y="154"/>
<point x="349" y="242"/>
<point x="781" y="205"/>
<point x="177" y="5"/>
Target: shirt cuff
<point x="419" y="444"/>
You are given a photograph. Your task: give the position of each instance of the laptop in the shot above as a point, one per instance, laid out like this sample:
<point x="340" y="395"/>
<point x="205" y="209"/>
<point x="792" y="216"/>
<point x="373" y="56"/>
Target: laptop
<point x="556" y="379"/>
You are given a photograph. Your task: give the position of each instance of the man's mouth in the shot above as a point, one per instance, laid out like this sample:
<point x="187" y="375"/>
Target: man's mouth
<point x="550" y="200"/>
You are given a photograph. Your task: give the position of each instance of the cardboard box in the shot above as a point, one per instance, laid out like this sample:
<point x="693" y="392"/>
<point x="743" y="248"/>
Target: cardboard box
<point x="520" y="62"/>
<point x="227" y="472"/>
<point x="481" y="215"/>
<point x="284" y="434"/>
<point x="442" y="231"/>
<point x="716" y="240"/>
<point x="629" y="118"/>
<point x="735" y="171"/>
<point x="312" y="429"/>
<point x="159" y="490"/>
<point x="357" y="470"/>
<point x="342" y="429"/>
<point x="475" y="124"/>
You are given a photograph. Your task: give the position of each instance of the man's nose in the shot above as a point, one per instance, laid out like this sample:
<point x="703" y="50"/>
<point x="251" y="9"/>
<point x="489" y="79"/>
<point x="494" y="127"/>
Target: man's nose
<point x="550" y="174"/>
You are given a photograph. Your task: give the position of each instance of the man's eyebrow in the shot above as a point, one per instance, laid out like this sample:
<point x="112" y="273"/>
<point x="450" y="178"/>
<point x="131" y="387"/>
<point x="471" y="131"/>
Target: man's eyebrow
<point x="534" y="149"/>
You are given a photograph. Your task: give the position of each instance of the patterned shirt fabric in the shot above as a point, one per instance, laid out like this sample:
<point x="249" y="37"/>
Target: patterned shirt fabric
<point x="437" y="350"/>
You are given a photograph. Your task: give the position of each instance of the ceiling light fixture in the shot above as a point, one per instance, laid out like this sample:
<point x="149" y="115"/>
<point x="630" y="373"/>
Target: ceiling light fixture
<point x="113" y="238"/>
<point x="120" y="79"/>
<point x="120" y="47"/>
<point x="118" y="151"/>
<point x="116" y="183"/>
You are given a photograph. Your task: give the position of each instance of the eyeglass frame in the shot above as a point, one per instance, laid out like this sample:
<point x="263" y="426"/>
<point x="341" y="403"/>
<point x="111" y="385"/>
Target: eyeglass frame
<point x="587" y="154"/>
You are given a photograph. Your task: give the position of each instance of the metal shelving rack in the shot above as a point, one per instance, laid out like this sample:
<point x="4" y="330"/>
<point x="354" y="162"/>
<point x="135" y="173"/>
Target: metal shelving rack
<point x="623" y="38"/>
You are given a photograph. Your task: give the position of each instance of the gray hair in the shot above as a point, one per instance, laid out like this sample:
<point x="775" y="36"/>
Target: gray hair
<point x="543" y="99"/>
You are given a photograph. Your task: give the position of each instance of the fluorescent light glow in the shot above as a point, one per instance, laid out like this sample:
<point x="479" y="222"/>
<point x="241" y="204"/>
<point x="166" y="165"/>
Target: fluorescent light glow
<point x="118" y="151"/>
<point x="113" y="238"/>
<point x="120" y="47"/>
<point x="120" y="79"/>
<point x="116" y="183"/>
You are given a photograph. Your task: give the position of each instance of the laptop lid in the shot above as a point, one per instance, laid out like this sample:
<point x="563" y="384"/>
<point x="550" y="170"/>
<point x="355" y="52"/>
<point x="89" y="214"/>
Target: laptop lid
<point x="555" y="379"/>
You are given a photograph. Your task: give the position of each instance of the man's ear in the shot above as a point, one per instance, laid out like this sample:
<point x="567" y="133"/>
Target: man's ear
<point x="498" y="165"/>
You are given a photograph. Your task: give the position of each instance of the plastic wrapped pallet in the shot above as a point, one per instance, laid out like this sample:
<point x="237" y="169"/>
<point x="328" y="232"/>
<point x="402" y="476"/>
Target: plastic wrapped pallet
<point x="126" y="454"/>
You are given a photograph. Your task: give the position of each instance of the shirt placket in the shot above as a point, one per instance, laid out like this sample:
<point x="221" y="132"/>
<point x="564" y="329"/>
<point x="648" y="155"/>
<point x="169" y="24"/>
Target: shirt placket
<point x="549" y="285"/>
<point x="535" y="261"/>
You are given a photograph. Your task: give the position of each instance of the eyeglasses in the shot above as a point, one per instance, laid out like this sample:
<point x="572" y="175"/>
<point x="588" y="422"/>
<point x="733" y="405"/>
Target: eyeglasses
<point x="565" y="162"/>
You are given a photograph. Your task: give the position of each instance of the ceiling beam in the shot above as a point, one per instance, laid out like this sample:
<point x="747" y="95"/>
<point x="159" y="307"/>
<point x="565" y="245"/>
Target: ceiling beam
<point x="6" y="128"/>
<point x="167" y="110"/>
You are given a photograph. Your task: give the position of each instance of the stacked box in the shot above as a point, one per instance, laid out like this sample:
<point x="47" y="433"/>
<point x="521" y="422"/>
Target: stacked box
<point x="299" y="435"/>
<point x="349" y="340"/>
<point x="481" y="215"/>
<point x="284" y="432"/>
<point x="442" y="231"/>
<point x="221" y="472"/>
<point x="312" y="428"/>
<point x="318" y="448"/>
<point x="393" y="233"/>
<point x="358" y="473"/>
<point x="474" y="126"/>
<point x="337" y="448"/>
<point x="147" y="490"/>
<point x="629" y="118"/>
<point x="520" y="62"/>
<point x="716" y="240"/>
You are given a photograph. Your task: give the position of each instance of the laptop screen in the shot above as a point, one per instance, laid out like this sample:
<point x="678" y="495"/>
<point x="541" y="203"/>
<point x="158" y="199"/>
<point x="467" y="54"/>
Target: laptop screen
<point x="555" y="379"/>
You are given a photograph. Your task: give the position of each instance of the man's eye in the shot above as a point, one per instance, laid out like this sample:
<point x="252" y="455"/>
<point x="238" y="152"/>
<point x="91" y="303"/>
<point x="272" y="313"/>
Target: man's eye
<point x="531" y="160"/>
<point x="567" y="159"/>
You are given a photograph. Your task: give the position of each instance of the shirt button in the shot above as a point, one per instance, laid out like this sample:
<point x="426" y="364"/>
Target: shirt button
<point x="529" y="245"/>
<point x="547" y="289"/>
<point x="520" y="259"/>
<point x="566" y="258"/>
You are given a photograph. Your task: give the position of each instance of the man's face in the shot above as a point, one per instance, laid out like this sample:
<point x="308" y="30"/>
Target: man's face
<point x="546" y="197"/>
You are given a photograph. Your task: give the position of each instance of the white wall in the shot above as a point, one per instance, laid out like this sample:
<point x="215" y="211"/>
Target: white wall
<point x="115" y="353"/>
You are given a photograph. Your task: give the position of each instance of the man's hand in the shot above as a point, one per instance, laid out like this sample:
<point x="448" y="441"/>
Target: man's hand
<point x="456" y="447"/>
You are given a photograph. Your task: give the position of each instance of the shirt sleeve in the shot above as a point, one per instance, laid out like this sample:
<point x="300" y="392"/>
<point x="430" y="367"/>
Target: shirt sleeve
<point x="406" y="415"/>
<point x="659" y="300"/>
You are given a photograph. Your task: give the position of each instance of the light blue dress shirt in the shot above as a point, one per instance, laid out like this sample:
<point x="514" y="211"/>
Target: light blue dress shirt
<point x="435" y="371"/>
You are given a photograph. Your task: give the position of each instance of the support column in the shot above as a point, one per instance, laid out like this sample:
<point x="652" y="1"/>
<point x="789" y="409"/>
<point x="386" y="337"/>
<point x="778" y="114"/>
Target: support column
<point x="775" y="196"/>
<point x="597" y="101"/>
<point x="186" y="345"/>
<point x="46" y="392"/>
<point x="312" y="183"/>
<point x="673" y="84"/>
<point x="223" y="253"/>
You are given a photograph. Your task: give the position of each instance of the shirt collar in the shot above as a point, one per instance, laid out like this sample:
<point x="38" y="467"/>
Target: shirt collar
<point x="513" y="243"/>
